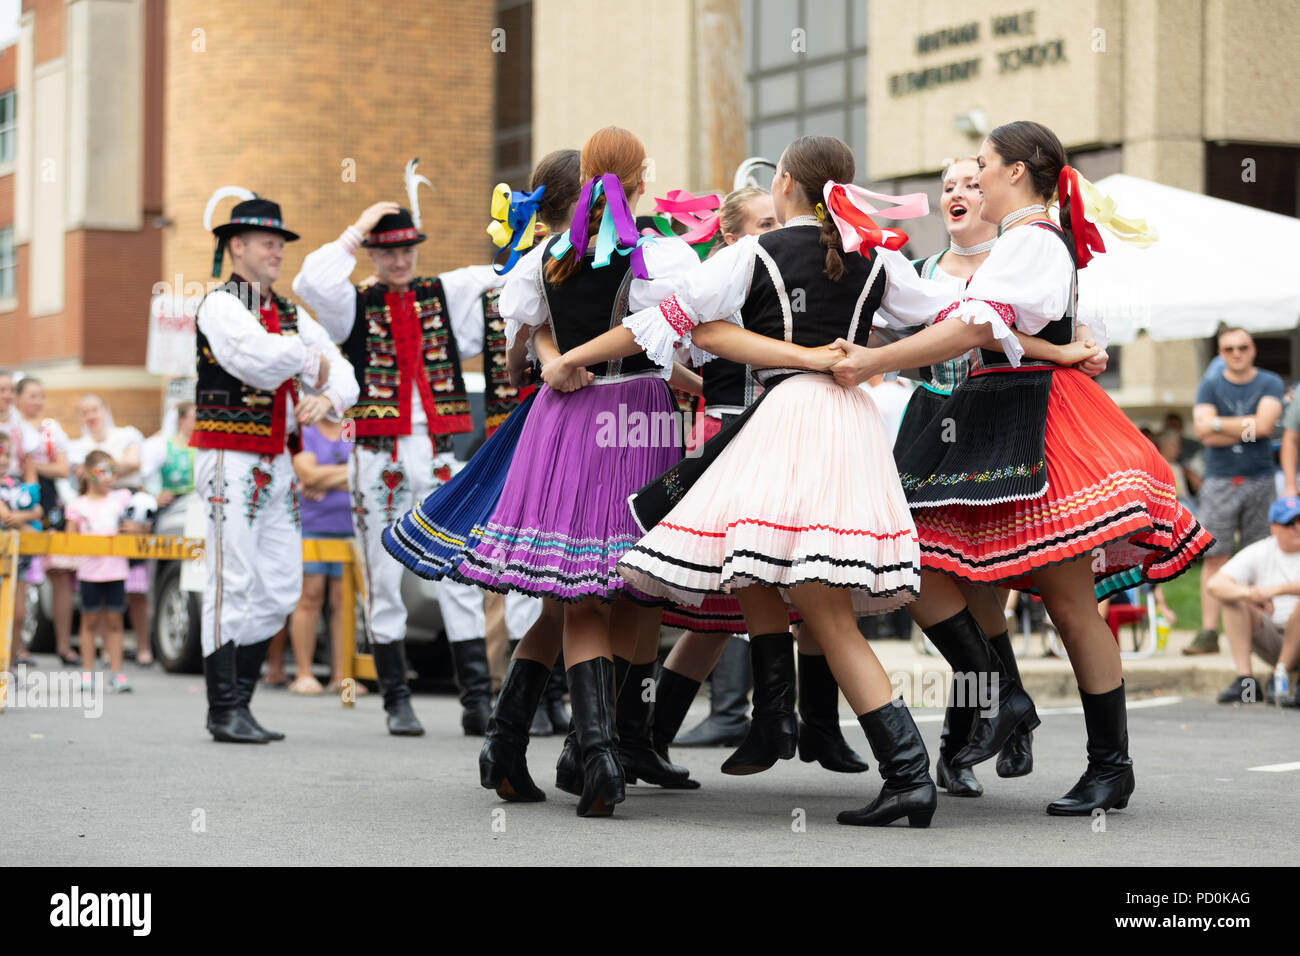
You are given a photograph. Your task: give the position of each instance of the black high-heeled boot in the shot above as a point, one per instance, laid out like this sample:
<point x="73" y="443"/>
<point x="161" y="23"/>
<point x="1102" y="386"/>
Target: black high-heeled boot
<point x="956" y="731"/>
<point x="728" y="722"/>
<point x="900" y="751"/>
<point x="592" y="692"/>
<point x="503" y="763"/>
<point x="228" y="720"/>
<point x="773" y="728"/>
<point x="1108" y="782"/>
<point x="820" y="737"/>
<point x="553" y="696"/>
<point x="249" y="659"/>
<point x="673" y="699"/>
<point x="1016" y="759"/>
<point x="636" y="717"/>
<point x="390" y="668"/>
<point x="1001" y="703"/>
<point x="540" y="725"/>
<point x="568" y="766"/>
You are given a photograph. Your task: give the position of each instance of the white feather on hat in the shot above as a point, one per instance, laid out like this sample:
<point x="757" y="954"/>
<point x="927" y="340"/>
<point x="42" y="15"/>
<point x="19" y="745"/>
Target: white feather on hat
<point x="237" y="191"/>
<point x="413" y="180"/>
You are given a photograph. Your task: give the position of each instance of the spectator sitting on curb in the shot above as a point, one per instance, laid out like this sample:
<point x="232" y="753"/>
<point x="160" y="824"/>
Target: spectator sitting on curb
<point x="1234" y="416"/>
<point x="1260" y="591"/>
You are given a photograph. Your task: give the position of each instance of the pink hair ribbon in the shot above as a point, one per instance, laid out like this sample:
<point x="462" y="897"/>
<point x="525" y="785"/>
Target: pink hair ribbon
<point x="687" y="209"/>
<point x="851" y="207"/>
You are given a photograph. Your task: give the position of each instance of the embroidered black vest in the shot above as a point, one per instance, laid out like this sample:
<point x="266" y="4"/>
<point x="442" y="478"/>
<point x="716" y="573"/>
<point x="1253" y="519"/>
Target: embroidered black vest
<point x="400" y="344"/>
<point x="232" y="414"/>
<point x="500" y="398"/>
<point x="590" y="303"/>
<point x="800" y="303"/>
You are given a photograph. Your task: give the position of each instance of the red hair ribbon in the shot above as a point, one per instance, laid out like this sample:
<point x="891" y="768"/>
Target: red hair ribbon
<point x="1087" y="238"/>
<point x="686" y="209"/>
<point x="851" y="208"/>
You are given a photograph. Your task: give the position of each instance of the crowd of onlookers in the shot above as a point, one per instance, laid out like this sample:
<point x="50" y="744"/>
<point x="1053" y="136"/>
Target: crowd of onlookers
<point x="111" y="479"/>
<point x="1237" y="471"/>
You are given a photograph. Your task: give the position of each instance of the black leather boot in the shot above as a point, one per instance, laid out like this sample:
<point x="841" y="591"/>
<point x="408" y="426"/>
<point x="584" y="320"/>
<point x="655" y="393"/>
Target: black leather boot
<point x="956" y="731"/>
<point x="390" y="668"/>
<point x="900" y="751"/>
<point x="553" y="697"/>
<point x="228" y="720"/>
<point x="673" y="699"/>
<point x="979" y="683"/>
<point x="728" y="723"/>
<point x="774" y="729"/>
<point x="249" y="659"/>
<point x="592" y="693"/>
<point x="502" y="763"/>
<point x="636" y="717"/>
<point x="469" y="659"/>
<point x="820" y="737"/>
<point x="568" y="766"/>
<point x="1108" y="782"/>
<point x="1016" y="759"/>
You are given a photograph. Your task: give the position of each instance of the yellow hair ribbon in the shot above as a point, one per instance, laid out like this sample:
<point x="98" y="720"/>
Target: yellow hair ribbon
<point x="819" y="211"/>
<point x="499" y="229"/>
<point x="1101" y="210"/>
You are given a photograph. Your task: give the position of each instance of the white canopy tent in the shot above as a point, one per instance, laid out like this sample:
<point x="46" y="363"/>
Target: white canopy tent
<point x="1215" y="262"/>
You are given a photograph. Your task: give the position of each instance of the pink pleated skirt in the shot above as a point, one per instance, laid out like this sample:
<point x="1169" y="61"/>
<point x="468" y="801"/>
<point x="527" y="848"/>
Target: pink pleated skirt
<point x="806" y="492"/>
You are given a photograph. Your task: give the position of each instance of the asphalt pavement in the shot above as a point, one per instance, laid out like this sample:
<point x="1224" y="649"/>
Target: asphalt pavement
<point x="143" y="784"/>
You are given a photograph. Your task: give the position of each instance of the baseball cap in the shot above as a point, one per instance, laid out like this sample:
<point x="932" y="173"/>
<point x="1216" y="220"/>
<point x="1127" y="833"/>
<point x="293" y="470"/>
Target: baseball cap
<point x="1284" y="511"/>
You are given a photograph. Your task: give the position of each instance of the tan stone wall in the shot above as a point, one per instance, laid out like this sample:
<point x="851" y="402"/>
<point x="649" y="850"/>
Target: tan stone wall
<point x="1252" y="64"/>
<point x="276" y="99"/>
<point x="679" y="86"/>
<point x="1079" y="96"/>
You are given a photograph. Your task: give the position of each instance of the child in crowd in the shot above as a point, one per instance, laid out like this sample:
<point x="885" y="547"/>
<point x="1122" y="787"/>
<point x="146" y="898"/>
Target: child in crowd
<point x="20" y="510"/>
<point x="100" y="510"/>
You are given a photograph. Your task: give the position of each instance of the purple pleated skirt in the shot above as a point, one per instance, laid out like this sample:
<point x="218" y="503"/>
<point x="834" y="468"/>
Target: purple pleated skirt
<point x="563" y="522"/>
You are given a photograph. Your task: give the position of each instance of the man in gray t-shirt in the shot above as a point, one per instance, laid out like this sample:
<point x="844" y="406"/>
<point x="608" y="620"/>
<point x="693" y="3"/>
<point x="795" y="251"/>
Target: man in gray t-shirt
<point x="1234" y="417"/>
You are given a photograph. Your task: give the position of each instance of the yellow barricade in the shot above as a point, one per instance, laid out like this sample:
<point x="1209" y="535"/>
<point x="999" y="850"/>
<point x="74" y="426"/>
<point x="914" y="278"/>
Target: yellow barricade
<point x="14" y="544"/>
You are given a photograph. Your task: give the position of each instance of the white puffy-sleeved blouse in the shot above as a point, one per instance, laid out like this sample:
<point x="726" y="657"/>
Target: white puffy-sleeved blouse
<point x="669" y="261"/>
<point x="1025" y="283"/>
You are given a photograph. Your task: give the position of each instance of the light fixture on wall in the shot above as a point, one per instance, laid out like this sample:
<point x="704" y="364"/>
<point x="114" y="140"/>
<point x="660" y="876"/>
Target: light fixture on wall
<point x="974" y="123"/>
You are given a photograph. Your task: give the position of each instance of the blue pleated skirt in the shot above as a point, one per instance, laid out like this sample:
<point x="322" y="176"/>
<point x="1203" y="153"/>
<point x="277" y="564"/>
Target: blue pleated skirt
<point x="433" y="537"/>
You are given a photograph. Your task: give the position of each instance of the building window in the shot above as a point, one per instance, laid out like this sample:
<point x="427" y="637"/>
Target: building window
<point x="8" y="128"/>
<point x="7" y="264"/>
<point x="805" y="62"/>
<point x="512" y="159"/>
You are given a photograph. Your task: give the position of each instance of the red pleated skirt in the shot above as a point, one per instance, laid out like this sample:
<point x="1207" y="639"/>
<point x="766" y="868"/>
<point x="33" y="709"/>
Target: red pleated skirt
<point x="1110" y="495"/>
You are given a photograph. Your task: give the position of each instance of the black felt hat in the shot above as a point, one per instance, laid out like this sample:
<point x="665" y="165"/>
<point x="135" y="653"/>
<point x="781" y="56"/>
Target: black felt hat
<point x="252" y="214"/>
<point x="394" y="230"/>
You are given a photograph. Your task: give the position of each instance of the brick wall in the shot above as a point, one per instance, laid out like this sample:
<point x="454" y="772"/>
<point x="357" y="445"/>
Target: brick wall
<point x="281" y="94"/>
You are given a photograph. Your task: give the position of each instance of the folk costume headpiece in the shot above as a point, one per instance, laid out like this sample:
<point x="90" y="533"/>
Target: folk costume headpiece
<point x="401" y="228"/>
<point x="698" y="215"/>
<point x="1089" y="208"/>
<point x="851" y="208"/>
<point x="254" y="213"/>
<point x="616" y="233"/>
<point x="514" y="219"/>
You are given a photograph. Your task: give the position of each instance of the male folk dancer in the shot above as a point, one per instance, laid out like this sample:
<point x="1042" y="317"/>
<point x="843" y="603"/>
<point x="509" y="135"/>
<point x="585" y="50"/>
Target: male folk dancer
<point x="405" y="334"/>
<point x="265" y="368"/>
